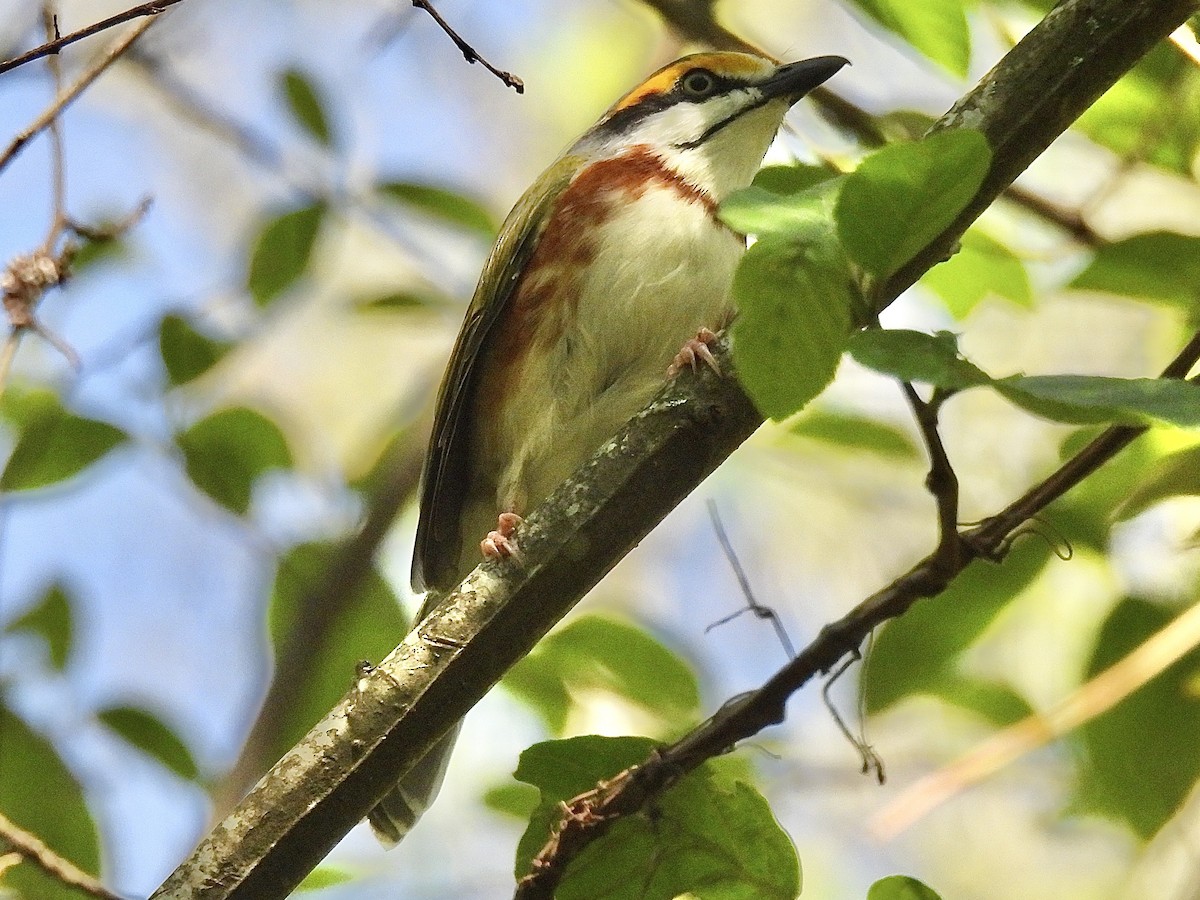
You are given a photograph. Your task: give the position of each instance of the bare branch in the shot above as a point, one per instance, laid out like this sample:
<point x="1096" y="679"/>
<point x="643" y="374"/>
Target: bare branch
<point x="470" y="54"/>
<point x="55" y="45"/>
<point x="70" y="94"/>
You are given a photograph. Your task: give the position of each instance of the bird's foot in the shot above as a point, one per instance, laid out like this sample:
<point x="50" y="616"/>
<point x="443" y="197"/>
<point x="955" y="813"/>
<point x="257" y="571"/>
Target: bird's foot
<point x="499" y="543"/>
<point x="694" y="352"/>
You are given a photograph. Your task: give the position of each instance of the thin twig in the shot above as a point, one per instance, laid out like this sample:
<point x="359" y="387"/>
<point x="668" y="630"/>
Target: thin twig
<point x="470" y="54"/>
<point x="66" y="97"/>
<point x="58" y="167"/>
<point x="941" y="481"/>
<point x="31" y="848"/>
<point x="1101" y="693"/>
<point x="55" y="45"/>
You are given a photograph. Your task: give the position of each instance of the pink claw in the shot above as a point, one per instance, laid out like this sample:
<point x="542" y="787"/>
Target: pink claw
<point x="499" y="543"/>
<point x="694" y="352"/>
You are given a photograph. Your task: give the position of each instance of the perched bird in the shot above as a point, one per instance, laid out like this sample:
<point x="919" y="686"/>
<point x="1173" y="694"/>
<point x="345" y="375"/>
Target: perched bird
<point x="610" y="270"/>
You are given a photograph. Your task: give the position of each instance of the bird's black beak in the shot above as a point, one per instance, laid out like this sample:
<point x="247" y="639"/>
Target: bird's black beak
<point x="796" y="79"/>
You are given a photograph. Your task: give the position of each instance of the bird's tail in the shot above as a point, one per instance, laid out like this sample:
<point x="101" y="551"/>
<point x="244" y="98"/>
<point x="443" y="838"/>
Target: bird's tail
<point x="399" y="810"/>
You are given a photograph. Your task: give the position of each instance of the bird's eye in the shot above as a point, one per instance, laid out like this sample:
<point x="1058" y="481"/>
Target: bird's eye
<point x="698" y="83"/>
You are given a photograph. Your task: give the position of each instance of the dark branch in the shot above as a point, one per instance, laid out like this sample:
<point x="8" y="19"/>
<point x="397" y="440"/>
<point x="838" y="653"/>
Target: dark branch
<point x="146" y="9"/>
<point x="470" y="54"/>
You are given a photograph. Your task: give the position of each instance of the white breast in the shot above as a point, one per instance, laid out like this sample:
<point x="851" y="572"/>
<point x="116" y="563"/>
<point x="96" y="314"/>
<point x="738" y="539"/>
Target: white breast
<point x="662" y="270"/>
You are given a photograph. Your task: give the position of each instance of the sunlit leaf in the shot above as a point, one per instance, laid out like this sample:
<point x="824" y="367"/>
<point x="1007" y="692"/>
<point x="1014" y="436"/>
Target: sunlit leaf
<point x="710" y="835"/>
<point x="51" y="620"/>
<point x="916" y="356"/>
<point x="795" y="314"/>
<point x="304" y="103"/>
<point x="323" y="876"/>
<point x="369" y="623"/>
<point x="792" y="179"/>
<point x="983" y="266"/>
<point x="186" y="353"/>
<point x="901" y="887"/>
<point x="600" y="655"/>
<point x="513" y="799"/>
<point x="905" y="195"/>
<point x="40" y="795"/>
<point x="802" y="216"/>
<point x="228" y="451"/>
<point x="442" y="203"/>
<point x="1150" y="113"/>
<point x="854" y="432"/>
<point x="1077" y="399"/>
<point x="1138" y="760"/>
<point x="282" y="251"/>
<point x="938" y="28"/>
<point x="53" y="444"/>
<point x="399" y="301"/>
<point x="1178" y="475"/>
<point x="919" y="652"/>
<point x="152" y="736"/>
<point x="1161" y="266"/>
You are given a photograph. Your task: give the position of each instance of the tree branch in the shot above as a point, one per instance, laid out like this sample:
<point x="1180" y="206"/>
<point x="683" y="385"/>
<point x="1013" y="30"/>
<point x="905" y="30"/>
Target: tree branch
<point x="396" y="712"/>
<point x="66" y="97"/>
<point x="53" y="46"/>
<point x="470" y="54"/>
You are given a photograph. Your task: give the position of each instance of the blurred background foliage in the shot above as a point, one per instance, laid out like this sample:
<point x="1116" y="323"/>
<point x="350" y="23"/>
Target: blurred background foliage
<point x="196" y="507"/>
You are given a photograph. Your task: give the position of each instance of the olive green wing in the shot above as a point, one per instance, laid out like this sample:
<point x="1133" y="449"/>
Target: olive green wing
<point x="444" y="480"/>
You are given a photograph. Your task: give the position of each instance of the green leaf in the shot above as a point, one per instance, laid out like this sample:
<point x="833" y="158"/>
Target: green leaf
<point x="305" y="105"/>
<point x="916" y="356"/>
<point x="919" y="652"/>
<point x="399" y="301"/>
<point x="1150" y="113"/>
<point x="794" y="178"/>
<point x="39" y="794"/>
<point x="981" y="267"/>
<point x="594" y="654"/>
<point x="711" y="835"/>
<point x="53" y="444"/>
<point x="282" y="251"/>
<point x="1077" y="399"/>
<point x="1177" y="475"/>
<point x="1138" y="759"/>
<point x="369" y="623"/>
<point x="512" y="799"/>
<point x="905" y="195"/>
<point x="854" y="433"/>
<point x="804" y="216"/>
<point x="1094" y="398"/>
<point x="51" y="620"/>
<point x="1161" y="266"/>
<point x="149" y="734"/>
<point x="322" y="877"/>
<point x="226" y="453"/>
<point x="187" y="353"/>
<point x="938" y="28"/>
<point x="444" y="204"/>
<point x="994" y="702"/>
<point x="901" y="887"/>
<point x="795" y="314"/>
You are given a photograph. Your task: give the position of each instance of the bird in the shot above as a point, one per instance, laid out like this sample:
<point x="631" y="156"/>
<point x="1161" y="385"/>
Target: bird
<point x="612" y="272"/>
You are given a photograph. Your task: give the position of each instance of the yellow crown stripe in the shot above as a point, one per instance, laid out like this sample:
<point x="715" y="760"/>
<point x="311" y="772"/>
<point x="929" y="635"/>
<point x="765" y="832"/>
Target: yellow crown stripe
<point x="735" y="64"/>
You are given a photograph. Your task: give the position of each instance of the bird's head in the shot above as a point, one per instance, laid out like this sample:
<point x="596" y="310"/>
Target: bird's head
<point x="709" y="116"/>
